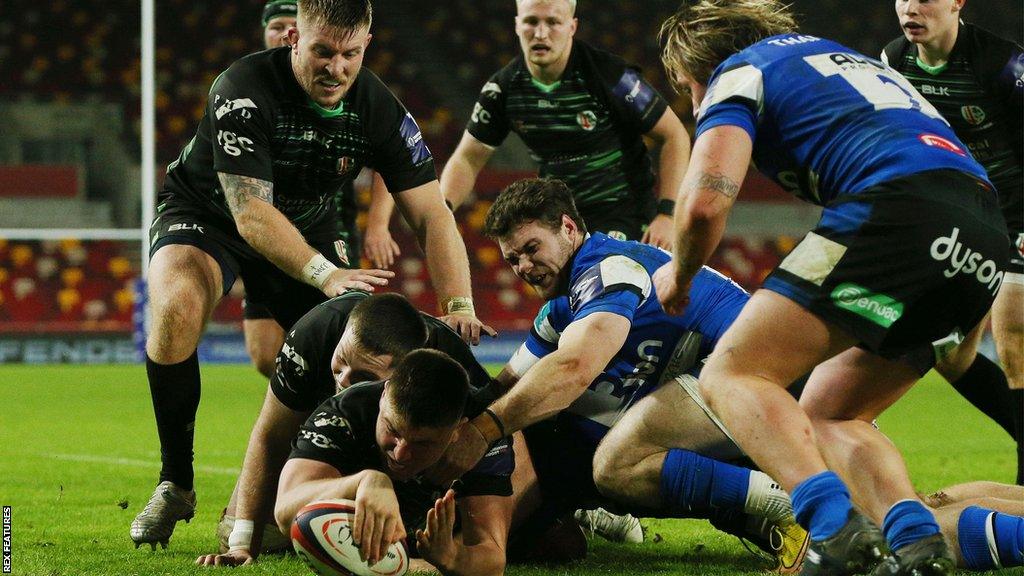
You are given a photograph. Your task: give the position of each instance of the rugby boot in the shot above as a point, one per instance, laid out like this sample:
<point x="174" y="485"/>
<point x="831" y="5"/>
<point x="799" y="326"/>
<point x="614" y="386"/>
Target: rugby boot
<point x="785" y="542"/>
<point x="927" y="557"/>
<point x="612" y="527"/>
<point x="166" y="506"/>
<point x="857" y="548"/>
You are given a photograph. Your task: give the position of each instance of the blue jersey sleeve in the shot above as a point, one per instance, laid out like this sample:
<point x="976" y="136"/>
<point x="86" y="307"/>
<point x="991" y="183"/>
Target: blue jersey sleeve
<point x="715" y="302"/>
<point x="735" y="97"/>
<point x="617" y="284"/>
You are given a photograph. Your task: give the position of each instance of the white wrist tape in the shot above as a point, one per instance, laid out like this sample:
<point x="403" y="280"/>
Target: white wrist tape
<point x="241" y="534"/>
<point x="317" y="270"/>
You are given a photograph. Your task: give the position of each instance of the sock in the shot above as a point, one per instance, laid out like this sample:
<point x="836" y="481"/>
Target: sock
<point x="1017" y="410"/>
<point x="175" y="391"/>
<point x="821" y="504"/>
<point x="990" y="540"/>
<point x="984" y="385"/>
<point x="908" y="521"/>
<point x="693" y="483"/>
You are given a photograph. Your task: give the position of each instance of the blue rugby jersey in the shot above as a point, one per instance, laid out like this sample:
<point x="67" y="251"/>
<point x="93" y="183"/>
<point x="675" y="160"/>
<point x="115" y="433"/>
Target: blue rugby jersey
<point x="614" y="276"/>
<point x="827" y="121"/>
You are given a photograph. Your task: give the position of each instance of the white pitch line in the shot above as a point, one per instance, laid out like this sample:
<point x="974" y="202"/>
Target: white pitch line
<point x="136" y="463"/>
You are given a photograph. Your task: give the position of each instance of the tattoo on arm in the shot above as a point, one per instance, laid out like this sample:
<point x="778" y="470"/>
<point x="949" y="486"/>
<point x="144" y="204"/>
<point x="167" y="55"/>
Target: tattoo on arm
<point x="718" y="183"/>
<point x="239" y="189"/>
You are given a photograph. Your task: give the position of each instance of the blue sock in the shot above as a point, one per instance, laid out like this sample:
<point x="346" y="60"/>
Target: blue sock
<point x="907" y="522"/>
<point x="982" y="532"/>
<point x="693" y="483"/>
<point x="821" y="504"/>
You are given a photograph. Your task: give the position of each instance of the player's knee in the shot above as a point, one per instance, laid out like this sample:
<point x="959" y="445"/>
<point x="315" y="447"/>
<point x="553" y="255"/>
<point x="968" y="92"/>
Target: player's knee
<point x="611" y="472"/>
<point x="284" y="521"/>
<point x="954" y="366"/>
<point x="176" y="327"/>
<point x="263" y="358"/>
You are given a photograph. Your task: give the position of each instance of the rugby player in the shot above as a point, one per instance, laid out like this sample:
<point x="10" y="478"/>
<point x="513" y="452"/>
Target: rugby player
<point x="867" y="300"/>
<point x="602" y="349"/>
<point x="584" y="114"/>
<point x="352" y="338"/>
<point x="973" y="78"/>
<point x="371" y="443"/>
<point x="263" y="335"/>
<point x="252" y="196"/>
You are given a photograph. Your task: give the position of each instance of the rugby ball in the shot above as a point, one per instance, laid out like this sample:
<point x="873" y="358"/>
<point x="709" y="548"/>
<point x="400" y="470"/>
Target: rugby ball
<point x="322" y="537"/>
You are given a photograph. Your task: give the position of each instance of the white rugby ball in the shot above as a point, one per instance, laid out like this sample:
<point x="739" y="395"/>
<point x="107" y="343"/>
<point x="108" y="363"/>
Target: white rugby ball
<point x="322" y="537"/>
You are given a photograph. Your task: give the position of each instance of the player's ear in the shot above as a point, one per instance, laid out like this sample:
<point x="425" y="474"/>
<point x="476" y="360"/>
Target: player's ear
<point x="293" y="38"/>
<point x="367" y="42"/>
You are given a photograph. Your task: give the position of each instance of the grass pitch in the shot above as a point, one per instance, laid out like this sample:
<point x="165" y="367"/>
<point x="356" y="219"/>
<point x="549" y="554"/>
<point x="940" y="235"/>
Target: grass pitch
<point x="79" y="458"/>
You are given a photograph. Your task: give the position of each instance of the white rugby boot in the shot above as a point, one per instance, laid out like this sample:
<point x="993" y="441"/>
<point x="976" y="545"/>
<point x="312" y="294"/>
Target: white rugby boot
<point x="612" y="527"/>
<point x="166" y="506"/>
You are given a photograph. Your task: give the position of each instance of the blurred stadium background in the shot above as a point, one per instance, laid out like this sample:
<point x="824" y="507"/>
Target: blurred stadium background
<point x="71" y="160"/>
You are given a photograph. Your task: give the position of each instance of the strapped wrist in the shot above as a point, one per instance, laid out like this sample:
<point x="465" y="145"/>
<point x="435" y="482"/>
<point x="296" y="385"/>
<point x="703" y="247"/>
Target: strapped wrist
<point x="459" y="305"/>
<point x="318" y="270"/>
<point x="241" y="534"/>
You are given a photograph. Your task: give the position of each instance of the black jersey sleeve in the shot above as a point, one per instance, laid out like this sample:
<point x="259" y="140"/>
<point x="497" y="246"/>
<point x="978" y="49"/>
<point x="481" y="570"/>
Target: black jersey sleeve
<point x="488" y="122"/>
<point x="894" y="52"/>
<point x="492" y="476"/>
<point x="636" y="103"/>
<point x="303" y="378"/>
<point x="328" y="436"/>
<point x="240" y="115"/>
<point x="398" y="151"/>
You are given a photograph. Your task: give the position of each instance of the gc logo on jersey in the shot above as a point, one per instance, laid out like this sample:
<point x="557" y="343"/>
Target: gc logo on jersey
<point x="232" y="143"/>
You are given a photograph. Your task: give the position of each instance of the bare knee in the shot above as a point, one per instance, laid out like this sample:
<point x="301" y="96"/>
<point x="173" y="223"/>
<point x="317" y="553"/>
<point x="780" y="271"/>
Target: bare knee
<point x="263" y="340"/>
<point x="954" y="366"/>
<point x="183" y="288"/>
<point x="613" y="469"/>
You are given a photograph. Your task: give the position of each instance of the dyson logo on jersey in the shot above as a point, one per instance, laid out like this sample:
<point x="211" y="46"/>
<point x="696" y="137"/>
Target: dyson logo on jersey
<point x="963" y="259"/>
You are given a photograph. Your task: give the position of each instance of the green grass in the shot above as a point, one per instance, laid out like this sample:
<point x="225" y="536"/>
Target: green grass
<point x="75" y="442"/>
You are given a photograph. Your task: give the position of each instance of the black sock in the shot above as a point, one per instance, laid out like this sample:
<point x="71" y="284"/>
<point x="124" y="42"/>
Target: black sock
<point x="984" y="385"/>
<point x="1017" y="408"/>
<point x="175" y="390"/>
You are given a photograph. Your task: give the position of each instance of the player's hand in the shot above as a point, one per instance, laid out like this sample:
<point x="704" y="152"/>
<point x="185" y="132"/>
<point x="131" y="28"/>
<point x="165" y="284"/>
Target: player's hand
<point x="468" y="326"/>
<point x="659" y="232"/>
<point x="344" y="279"/>
<point x="462" y="455"/>
<point x="436" y="543"/>
<point x="380" y="248"/>
<point x="378" y="522"/>
<point x="674" y="297"/>
<point x="238" y="557"/>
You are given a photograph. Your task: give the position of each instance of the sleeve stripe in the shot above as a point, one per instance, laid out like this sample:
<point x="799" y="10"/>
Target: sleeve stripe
<point x="744" y="83"/>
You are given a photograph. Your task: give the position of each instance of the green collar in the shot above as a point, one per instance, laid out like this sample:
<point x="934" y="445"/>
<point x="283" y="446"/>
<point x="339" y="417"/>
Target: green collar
<point x="324" y="112"/>
<point x="933" y="70"/>
<point x="546" y="88"/>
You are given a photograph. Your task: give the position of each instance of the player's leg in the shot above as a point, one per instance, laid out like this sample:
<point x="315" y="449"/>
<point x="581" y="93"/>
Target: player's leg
<point x="1008" y="330"/>
<point x="984" y="533"/>
<point x="263" y="336"/>
<point x="744" y="382"/>
<point x="184" y="285"/>
<point x="974" y="490"/>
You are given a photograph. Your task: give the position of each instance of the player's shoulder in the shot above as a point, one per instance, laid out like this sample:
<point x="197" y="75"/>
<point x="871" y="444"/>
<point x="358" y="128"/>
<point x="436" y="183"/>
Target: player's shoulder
<point x="504" y="77"/>
<point x="988" y="51"/>
<point x="358" y="404"/>
<point x="604" y="264"/>
<point x="370" y="92"/>
<point x="602" y="59"/>
<point x="256" y="72"/>
<point x="894" y="53"/>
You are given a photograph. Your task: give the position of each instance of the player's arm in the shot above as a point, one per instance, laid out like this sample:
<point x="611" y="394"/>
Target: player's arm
<point x="717" y="167"/>
<point x="447" y="263"/>
<point x="674" y="140"/>
<point x="460" y="173"/>
<point x="556" y="380"/>
<point x="269" y="232"/>
<point x="378" y="245"/>
<point x="378" y="523"/>
<point x="265" y="456"/>
<point x="485" y="527"/>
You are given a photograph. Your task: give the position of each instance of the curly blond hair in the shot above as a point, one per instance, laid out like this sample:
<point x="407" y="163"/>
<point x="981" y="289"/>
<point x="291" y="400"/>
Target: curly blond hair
<point x="703" y="33"/>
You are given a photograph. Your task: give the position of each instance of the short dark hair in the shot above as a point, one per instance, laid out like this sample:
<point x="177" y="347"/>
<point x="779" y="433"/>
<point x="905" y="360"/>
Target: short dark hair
<point x="388" y="324"/>
<point x="344" y="14"/>
<point x="429" y="389"/>
<point x="532" y="199"/>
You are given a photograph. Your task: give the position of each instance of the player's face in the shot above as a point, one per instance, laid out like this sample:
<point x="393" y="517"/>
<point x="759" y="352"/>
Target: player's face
<point x="407" y="450"/>
<point x="326" y="60"/>
<point x="696" y="90"/>
<point x="540" y="256"/>
<point x="351" y="363"/>
<point x="276" y="32"/>
<point x="925" y="21"/>
<point x="545" y="29"/>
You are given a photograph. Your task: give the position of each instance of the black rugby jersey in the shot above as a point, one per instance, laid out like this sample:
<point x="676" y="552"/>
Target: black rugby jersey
<point x="979" y="92"/>
<point x="303" y="377"/>
<point x="260" y="123"/>
<point x="341" y="433"/>
<point x="584" y="130"/>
